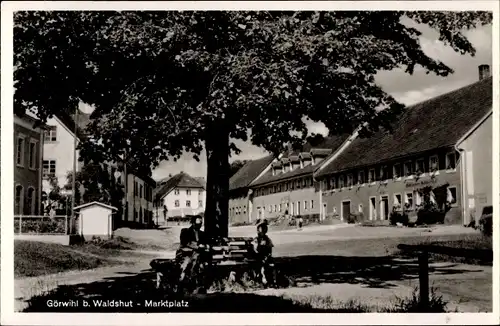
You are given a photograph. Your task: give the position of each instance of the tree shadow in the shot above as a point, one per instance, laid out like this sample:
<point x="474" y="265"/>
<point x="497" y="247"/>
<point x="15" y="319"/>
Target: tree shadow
<point x="374" y="272"/>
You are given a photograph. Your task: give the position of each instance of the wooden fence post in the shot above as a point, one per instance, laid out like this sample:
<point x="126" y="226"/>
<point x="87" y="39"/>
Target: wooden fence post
<point x="423" y="262"/>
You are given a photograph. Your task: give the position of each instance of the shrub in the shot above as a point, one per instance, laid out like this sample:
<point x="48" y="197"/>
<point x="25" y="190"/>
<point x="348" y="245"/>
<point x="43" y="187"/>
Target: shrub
<point x="412" y="304"/>
<point x="429" y="213"/>
<point x="399" y="217"/>
<point x="486" y="225"/>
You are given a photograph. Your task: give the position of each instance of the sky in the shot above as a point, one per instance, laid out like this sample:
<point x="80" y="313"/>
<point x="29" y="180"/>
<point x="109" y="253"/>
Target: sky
<point x="407" y="89"/>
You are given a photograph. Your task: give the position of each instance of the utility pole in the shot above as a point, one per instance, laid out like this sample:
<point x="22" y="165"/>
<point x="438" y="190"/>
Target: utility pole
<point x="73" y="186"/>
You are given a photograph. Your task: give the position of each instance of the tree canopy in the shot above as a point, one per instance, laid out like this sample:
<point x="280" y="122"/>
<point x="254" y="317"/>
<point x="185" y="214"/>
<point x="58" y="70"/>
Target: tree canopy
<point x="163" y="83"/>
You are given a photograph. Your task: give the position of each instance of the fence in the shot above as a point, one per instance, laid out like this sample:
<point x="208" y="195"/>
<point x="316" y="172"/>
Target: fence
<point x="423" y="252"/>
<point x="37" y="224"/>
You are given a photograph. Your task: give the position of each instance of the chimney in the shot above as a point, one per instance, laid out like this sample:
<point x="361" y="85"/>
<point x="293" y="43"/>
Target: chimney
<point x="484" y="71"/>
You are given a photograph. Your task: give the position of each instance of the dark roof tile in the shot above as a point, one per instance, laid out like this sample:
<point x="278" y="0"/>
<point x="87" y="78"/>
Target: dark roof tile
<point x="180" y="180"/>
<point x="249" y="172"/>
<point x="436" y="123"/>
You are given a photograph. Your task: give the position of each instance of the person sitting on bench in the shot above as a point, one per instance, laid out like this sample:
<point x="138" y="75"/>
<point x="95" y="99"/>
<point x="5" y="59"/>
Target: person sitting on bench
<point x="188" y="255"/>
<point x="263" y="247"/>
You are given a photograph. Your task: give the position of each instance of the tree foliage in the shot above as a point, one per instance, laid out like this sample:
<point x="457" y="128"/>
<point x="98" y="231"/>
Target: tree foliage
<point x="163" y="83"/>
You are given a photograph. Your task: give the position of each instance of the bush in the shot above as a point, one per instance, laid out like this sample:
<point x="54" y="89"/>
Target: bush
<point x="429" y="213"/>
<point x="39" y="226"/>
<point x="412" y="304"/>
<point x="399" y="217"/>
<point x="486" y="225"/>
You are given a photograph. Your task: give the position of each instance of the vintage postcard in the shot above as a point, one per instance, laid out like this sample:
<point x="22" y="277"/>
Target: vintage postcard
<point x="250" y="163"/>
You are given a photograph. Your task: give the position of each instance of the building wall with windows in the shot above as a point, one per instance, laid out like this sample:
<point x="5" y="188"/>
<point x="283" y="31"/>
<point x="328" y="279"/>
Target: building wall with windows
<point x="297" y="197"/>
<point x="477" y="172"/>
<point x="28" y="151"/>
<point x="139" y="200"/>
<point x="58" y="153"/>
<point x="182" y="201"/>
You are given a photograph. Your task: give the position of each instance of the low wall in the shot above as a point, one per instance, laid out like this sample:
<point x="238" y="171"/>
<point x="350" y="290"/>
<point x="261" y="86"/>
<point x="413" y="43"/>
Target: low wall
<point x="65" y="240"/>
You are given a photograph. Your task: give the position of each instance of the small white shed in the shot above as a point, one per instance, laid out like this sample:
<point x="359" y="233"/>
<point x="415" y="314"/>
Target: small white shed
<point x="95" y="219"/>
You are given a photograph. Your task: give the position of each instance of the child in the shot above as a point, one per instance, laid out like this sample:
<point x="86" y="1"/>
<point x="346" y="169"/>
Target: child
<point x="263" y="247"/>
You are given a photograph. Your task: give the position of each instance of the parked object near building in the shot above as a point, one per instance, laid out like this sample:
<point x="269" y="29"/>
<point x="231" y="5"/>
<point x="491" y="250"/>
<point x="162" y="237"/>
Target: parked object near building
<point x="240" y="193"/>
<point x="28" y="149"/>
<point x="95" y="220"/>
<point x="430" y="157"/>
<point x="180" y="196"/>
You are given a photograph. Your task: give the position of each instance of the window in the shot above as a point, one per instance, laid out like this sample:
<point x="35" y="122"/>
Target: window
<point x="396" y="171"/>
<point x="312" y="204"/>
<point x="408" y="169"/>
<point x="311" y="182"/>
<point x="305" y="205"/>
<point x="135" y="188"/>
<point x="244" y="209"/>
<point x="452" y="195"/>
<point x="350" y="180"/>
<point x="298" y="184"/>
<point x="50" y="134"/>
<point x="397" y="201"/>
<point x="279" y="208"/>
<point x="49" y="168"/>
<point x="341" y="181"/>
<point x="176" y="191"/>
<point x="31" y="201"/>
<point x="279" y="187"/>
<point x="286" y="186"/>
<point x="200" y="203"/>
<point x="177" y="203"/>
<point x="18" y="200"/>
<point x="384" y="173"/>
<point x="409" y="200"/>
<point x="135" y="214"/>
<point x="420" y="166"/>
<point x="32" y="157"/>
<point x="140" y="191"/>
<point x="451" y="161"/>
<point x="270" y="208"/>
<point x="304" y="183"/>
<point x="140" y="214"/>
<point x="434" y="163"/>
<point x="188" y="203"/>
<point x="275" y="208"/>
<point x="371" y="175"/>
<point x="188" y="192"/>
<point x="361" y="177"/>
<point x="20" y="151"/>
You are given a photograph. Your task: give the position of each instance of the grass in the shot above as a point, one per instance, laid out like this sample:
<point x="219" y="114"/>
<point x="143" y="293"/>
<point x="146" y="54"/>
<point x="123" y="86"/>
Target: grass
<point x="32" y="258"/>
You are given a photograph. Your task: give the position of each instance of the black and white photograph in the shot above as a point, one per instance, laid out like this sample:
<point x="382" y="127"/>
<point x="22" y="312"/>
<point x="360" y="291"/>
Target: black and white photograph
<point x="302" y="159"/>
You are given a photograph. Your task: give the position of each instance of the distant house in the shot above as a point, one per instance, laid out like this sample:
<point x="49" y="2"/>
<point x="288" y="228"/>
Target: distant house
<point x="443" y="143"/>
<point x="240" y="194"/>
<point x="58" y="154"/>
<point x="28" y="145"/>
<point x="179" y="196"/>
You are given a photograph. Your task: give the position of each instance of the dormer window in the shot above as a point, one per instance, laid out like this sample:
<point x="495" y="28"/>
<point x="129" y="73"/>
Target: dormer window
<point x="301" y="164"/>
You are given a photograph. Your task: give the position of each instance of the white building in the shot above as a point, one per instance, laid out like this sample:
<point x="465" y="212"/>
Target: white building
<point x="179" y="196"/>
<point x="58" y="154"/>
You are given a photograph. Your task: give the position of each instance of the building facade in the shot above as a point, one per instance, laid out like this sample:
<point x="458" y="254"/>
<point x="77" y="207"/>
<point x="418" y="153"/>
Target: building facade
<point x="179" y="196"/>
<point x="240" y="194"/>
<point x="28" y="145"/>
<point x="418" y="161"/>
<point x="477" y="169"/>
<point x="287" y="187"/>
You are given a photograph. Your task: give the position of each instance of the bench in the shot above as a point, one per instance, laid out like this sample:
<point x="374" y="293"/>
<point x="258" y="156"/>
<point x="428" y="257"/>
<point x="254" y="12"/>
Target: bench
<point x="231" y="251"/>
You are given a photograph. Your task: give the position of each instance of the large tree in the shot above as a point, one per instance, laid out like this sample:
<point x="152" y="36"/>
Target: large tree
<point x="163" y="83"/>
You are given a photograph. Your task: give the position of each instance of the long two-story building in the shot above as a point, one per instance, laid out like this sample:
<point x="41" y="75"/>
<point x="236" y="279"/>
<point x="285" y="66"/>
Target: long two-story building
<point x="427" y="148"/>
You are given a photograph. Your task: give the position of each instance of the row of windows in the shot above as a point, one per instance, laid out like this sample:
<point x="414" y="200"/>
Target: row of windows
<point x="142" y="191"/>
<point x="177" y="203"/>
<point x="295" y="208"/>
<point x="21" y="198"/>
<point x="139" y="214"/>
<point x="237" y="211"/>
<point x="188" y="192"/>
<point x="20" y="152"/>
<point x="408" y="169"/>
<point x="286" y="186"/>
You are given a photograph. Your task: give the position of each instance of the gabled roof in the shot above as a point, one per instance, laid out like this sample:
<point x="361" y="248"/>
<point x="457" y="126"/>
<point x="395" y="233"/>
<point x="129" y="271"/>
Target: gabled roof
<point x="96" y="203"/>
<point x="332" y="142"/>
<point x="248" y="172"/>
<point x="69" y="120"/>
<point x="180" y="180"/>
<point x="436" y="123"/>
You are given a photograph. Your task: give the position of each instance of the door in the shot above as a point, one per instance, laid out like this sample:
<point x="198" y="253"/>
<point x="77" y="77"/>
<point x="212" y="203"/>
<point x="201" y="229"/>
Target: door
<point x="373" y="208"/>
<point x="384" y="208"/>
<point x="346" y="209"/>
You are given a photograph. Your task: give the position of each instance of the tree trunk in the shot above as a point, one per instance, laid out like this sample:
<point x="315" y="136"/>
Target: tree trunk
<point x="217" y="196"/>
